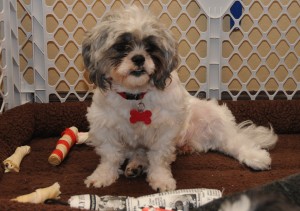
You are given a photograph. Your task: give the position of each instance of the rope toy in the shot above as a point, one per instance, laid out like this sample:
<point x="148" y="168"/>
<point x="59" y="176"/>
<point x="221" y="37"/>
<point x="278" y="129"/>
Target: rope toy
<point x="12" y="163"/>
<point x="69" y="137"/>
<point x="40" y="195"/>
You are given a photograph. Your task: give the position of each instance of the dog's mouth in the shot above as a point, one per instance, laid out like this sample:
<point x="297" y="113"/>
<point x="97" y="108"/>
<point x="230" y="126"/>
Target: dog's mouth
<point x="138" y="73"/>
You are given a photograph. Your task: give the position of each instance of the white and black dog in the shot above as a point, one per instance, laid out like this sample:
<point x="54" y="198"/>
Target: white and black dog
<point x="141" y="112"/>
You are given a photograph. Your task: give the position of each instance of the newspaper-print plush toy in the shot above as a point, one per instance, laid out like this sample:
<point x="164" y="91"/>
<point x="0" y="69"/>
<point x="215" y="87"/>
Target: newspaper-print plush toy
<point x="69" y="137"/>
<point x="40" y="195"/>
<point x="12" y="163"/>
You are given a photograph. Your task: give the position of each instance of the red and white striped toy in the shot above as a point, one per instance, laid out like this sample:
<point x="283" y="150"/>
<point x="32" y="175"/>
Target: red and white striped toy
<point x="69" y="137"/>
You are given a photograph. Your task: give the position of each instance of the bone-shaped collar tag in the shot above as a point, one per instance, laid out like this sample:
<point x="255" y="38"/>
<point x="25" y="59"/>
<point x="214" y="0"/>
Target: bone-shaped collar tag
<point x="140" y="116"/>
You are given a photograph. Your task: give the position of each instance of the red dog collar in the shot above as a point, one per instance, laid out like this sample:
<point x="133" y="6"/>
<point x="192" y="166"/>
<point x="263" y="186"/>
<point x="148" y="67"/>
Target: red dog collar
<point x="130" y="96"/>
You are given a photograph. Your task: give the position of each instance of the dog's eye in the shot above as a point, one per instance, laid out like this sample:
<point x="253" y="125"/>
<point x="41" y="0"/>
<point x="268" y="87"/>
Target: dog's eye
<point x="121" y="47"/>
<point x="151" y="48"/>
<point x="150" y="44"/>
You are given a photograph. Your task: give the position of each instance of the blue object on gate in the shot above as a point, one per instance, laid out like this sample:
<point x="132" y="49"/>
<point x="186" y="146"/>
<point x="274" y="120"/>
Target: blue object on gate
<point x="236" y="11"/>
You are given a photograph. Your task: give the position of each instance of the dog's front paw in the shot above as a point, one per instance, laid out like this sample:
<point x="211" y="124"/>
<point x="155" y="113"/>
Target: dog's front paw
<point x="99" y="180"/>
<point x="162" y="183"/>
<point x="257" y="159"/>
<point x="133" y="171"/>
<point x="135" y="168"/>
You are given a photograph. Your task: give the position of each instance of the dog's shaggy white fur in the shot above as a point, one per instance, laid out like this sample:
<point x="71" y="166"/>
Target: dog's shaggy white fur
<point x="131" y="58"/>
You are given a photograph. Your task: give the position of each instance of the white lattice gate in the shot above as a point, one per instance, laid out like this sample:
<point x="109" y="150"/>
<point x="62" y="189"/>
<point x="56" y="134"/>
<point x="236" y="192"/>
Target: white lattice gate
<point x="253" y="56"/>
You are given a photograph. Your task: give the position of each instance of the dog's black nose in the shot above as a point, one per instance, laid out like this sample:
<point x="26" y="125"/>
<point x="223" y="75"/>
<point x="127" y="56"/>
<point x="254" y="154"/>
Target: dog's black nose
<point x="138" y="60"/>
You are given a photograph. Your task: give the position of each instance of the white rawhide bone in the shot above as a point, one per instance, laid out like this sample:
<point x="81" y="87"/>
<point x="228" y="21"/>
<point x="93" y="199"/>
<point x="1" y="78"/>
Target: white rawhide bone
<point x="40" y="195"/>
<point x="82" y="137"/>
<point x="12" y="163"/>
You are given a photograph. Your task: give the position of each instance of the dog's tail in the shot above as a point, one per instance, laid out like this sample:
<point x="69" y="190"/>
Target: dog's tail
<point x="251" y="145"/>
<point x="261" y="136"/>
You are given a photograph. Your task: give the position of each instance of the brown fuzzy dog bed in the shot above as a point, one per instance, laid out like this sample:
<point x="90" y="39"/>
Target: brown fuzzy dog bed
<point x="40" y="126"/>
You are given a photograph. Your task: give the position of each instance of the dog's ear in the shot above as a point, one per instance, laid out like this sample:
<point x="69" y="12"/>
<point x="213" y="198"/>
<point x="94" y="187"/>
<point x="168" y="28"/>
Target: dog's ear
<point x="93" y="60"/>
<point x="168" y="63"/>
<point x="86" y="53"/>
<point x="172" y="57"/>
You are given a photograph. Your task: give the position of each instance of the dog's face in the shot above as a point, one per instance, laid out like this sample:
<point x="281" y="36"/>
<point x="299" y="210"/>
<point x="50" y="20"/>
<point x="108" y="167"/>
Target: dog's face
<point x="131" y="49"/>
